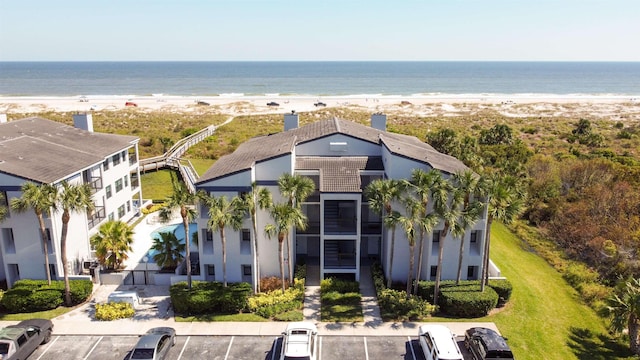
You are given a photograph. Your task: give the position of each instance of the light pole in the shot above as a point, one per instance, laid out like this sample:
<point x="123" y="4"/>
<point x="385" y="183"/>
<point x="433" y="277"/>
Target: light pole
<point x="146" y="268"/>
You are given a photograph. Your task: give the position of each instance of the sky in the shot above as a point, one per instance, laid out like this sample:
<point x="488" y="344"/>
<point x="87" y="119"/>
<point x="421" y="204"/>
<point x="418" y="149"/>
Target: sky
<point x="321" y="30"/>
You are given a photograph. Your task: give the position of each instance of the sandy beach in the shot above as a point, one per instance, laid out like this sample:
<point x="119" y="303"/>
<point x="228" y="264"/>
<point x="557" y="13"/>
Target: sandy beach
<point x="608" y="107"/>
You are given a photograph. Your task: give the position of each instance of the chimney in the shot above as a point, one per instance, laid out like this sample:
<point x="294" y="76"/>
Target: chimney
<point x="379" y="121"/>
<point x="3" y="118"/>
<point x="291" y="121"/>
<point x="83" y="121"/>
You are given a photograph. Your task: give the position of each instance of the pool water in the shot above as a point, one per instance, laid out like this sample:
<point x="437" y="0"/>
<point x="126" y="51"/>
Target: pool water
<point x="178" y="231"/>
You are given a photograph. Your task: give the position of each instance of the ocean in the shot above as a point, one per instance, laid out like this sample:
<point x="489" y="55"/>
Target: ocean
<point x="319" y="78"/>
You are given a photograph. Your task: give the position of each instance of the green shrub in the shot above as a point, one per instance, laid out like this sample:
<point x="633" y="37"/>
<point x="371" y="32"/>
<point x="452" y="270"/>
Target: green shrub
<point x="394" y="305"/>
<point x="152" y="208"/>
<point x="113" y="311"/>
<point x="36" y="295"/>
<point x="503" y="288"/>
<point x="467" y="300"/>
<point x="209" y="298"/>
<point x="578" y="274"/>
<point x="337" y="285"/>
<point x="269" y="305"/>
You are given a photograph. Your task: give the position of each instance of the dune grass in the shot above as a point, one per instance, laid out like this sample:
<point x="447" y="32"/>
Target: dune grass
<point x="545" y="318"/>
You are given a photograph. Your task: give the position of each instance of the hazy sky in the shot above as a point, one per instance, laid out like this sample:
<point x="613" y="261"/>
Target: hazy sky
<point x="211" y="30"/>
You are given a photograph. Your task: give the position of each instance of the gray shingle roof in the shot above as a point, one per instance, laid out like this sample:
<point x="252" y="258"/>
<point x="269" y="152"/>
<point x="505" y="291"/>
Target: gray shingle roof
<point x="270" y="146"/>
<point x="46" y="151"/>
<point x="339" y="174"/>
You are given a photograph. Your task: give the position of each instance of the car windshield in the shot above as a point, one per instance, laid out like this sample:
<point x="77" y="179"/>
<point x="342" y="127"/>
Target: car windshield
<point x="142" y="354"/>
<point x="4" y="348"/>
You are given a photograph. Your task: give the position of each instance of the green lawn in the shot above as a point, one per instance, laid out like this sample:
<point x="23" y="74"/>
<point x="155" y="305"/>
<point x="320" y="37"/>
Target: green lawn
<point x="545" y="319"/>
<point x="156" y="185"/>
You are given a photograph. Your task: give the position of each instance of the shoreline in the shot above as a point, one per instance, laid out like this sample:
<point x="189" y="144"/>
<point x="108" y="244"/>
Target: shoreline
<point x="512" y="105"/>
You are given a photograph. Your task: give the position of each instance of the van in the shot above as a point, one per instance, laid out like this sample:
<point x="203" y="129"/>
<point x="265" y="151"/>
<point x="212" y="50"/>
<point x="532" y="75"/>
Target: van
<point x="130" y="297"/>
<point x="438" y="343"/>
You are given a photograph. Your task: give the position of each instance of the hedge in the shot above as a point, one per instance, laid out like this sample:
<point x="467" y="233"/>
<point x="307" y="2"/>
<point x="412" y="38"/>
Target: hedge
<point x="36" y="295"/>
<point x="467" y="300"/>
<point x="210" y="298"/>
<point x="113" y="311"/>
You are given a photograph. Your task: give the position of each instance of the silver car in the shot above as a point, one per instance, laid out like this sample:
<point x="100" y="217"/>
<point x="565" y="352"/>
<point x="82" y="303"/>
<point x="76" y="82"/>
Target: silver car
<point x="155" y="344"/>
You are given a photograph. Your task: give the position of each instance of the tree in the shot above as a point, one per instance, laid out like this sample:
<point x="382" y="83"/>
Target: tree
<point x="166" y="143"/>
<point x="408" y="223"/>
<point x="381" y="194"/>
<point x="3" y="209"/>
<point x="70" y="198"/>
<point x="499" y="134"/>
<point x="112" y="243"/>
<point x="472" y="188"/>
<point x="623" y="308"/>
<point x="223" y="213"/>
<point x="447" y="202"/>
<point x="284" y="217"/>
<point x="422" y="183"/>
<point x="42" y="199"/>
<point x="296" y="189"/>
<point x="168" y="250"/>
<point x="505" y="202"/>
<point x="181" y="198"/>
<point x="258" y="198"/>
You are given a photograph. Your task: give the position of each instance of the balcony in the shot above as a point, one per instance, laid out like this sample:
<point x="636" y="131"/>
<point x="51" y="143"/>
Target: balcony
<point x="133" y="159"/>
<point x="339" y="254"/>
<point x="95" y="217"/>
<point x="135" y="182"/>
<point x="340" y="218"/>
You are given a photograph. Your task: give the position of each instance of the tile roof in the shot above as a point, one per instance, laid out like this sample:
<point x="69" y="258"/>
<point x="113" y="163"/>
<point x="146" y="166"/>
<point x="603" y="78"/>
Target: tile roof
<point x="270" y="146"/>
<point x="339" y="174"/>
<point x="46" y="151"/>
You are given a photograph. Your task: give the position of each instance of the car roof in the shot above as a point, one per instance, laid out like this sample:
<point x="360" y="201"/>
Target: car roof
<point x="301" y="325"/>
<point x="298" y="338"/>
<point x="444" y="338"/>
<point x="148" y="341"/>
<point x="491" y="339"/>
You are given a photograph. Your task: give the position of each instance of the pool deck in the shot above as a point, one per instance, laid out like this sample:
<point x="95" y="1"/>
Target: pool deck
<point x="142" y="240"/>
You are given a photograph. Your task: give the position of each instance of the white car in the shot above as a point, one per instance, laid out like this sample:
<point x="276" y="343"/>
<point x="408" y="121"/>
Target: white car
<point x="300" y="342"/>
<point x="438" y="343"/>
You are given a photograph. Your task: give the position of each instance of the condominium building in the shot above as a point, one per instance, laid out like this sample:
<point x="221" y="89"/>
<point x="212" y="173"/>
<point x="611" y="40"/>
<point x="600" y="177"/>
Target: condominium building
<point x="42" y="151"/>
<point x="342" y="158"/>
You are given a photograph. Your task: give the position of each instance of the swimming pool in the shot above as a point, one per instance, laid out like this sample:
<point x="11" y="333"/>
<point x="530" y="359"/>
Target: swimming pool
<point x="178" y="231"/>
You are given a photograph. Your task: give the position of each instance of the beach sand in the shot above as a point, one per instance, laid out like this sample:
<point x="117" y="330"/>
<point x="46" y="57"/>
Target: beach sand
<point x="615" y="108"/>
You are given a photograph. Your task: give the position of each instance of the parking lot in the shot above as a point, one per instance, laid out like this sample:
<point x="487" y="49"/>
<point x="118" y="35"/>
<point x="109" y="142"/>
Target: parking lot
<point x="232" y="347"/>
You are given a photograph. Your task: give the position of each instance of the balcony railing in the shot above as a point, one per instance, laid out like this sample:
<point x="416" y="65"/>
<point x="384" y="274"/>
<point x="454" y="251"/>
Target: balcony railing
<point x="132" y="159"/>
<point x="96" y="216"/>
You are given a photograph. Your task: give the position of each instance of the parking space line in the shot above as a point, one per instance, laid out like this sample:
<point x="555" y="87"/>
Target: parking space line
<point x="48" y="347"/>
<point x="93" y="348"/>
<point x="184" y="347"/>
<point x="226" y="356"/>
<point x="413" y="353"/>
<point x="366" y="350"/>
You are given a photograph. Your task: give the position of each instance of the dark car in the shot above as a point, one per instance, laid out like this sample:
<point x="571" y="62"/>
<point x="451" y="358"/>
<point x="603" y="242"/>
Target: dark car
<point x="273" y="103"/>
<point x="155" y="344"/>
<point x="486" y="344"/>
<point x="20" y="340"/>
<point x="203" y="103"/>
<point x="319" y="104"/>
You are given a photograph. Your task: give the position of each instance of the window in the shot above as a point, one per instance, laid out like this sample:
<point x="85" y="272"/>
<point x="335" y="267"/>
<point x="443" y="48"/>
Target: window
<point x="211" y="270"/>
<point x="22" y="340"/>
<point x="118" y="185"/>
<point x="108" y="191"/>
<point x="111" y="217"/>
<point x="116" y="159"/>
<point x="124" y="155"/>
<point x="128" y="206"/>
<point x="52" y="271"/>
<point x="436" y="236"/>
<point x="474" y="237"/>
<point x="126" y="181"/>
<point x="105" y="164"/>
<point x="121" y="211"/>
<point x="47" y="234"/>
<point x="471" y="272"/>
<point x="9" y="242"/>
<point x="434" y="272"/>
<point x="246" y="270"/>
<point x="207" y="234"/>
<point x="245" y="241"/>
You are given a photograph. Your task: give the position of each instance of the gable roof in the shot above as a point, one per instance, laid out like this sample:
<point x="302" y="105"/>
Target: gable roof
<point x="47" y="151"/>
<point x="270" y="146"/>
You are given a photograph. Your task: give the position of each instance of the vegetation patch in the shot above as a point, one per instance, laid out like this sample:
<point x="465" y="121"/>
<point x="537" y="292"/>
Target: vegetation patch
<point x="36" y="295"/>
<point x="114" y="311"/>
<point x="340" y="300"/>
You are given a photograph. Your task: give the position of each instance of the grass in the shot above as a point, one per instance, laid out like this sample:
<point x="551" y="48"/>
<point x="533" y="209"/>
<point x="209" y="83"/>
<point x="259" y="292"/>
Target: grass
<point x="545" y="314"/>
<point x="221" y="317"/>
<point x="201" y="165"/>
<point x="340" y="301"/>
<point x="156" y="185"/>
<point x="49" y="314"/>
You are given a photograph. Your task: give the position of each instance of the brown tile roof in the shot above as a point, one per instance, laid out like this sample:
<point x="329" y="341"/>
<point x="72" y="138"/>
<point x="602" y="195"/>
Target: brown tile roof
<point x="46" y="151"/>
<point x="339" y="174"/>
<point x="270" y="146"/>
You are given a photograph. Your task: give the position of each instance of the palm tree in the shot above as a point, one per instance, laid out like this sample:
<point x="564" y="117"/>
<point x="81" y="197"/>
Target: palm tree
<point x="296" y="189"/>
<point x="623" y="308"/>
<point x="505" y="202"/>
<point x="284" y="217"/>
<point x="3" y="209"/>
<point x="408" y="224"/>
<point x="447" y="201"/>
<point x="381" y="194"/>
<point x="258" y="198"/>
<point x="422" y="183"/>
<point x="182" y="199"/>
<point x="471" y="187"/>
<point x="70" y="198"/>
<point x="223" y="213"/>
<point x="40" y="198"/>
<point x="112" y="243"/>
<point x="168" y="250"/>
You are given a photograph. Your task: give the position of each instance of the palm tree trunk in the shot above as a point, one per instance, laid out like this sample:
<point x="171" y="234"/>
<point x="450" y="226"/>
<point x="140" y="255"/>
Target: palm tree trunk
<point x="256" y="257"/>
<point x="460" y="258"/>
<point x="289" y="266"/>
<point x="436" y="289"/>
<point x="224" y="256"/>
<point x="485" y="256"/>
<point x="393" y="245"/>
<point x="419" y="270"/>
<point x="281" y="259"/>
<point x="45" y="246"/>
<point x="187" y="243"/>
<point x="633" y="334"/>
<point x="63" y="249"/>
<point x="411" y="264"/>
